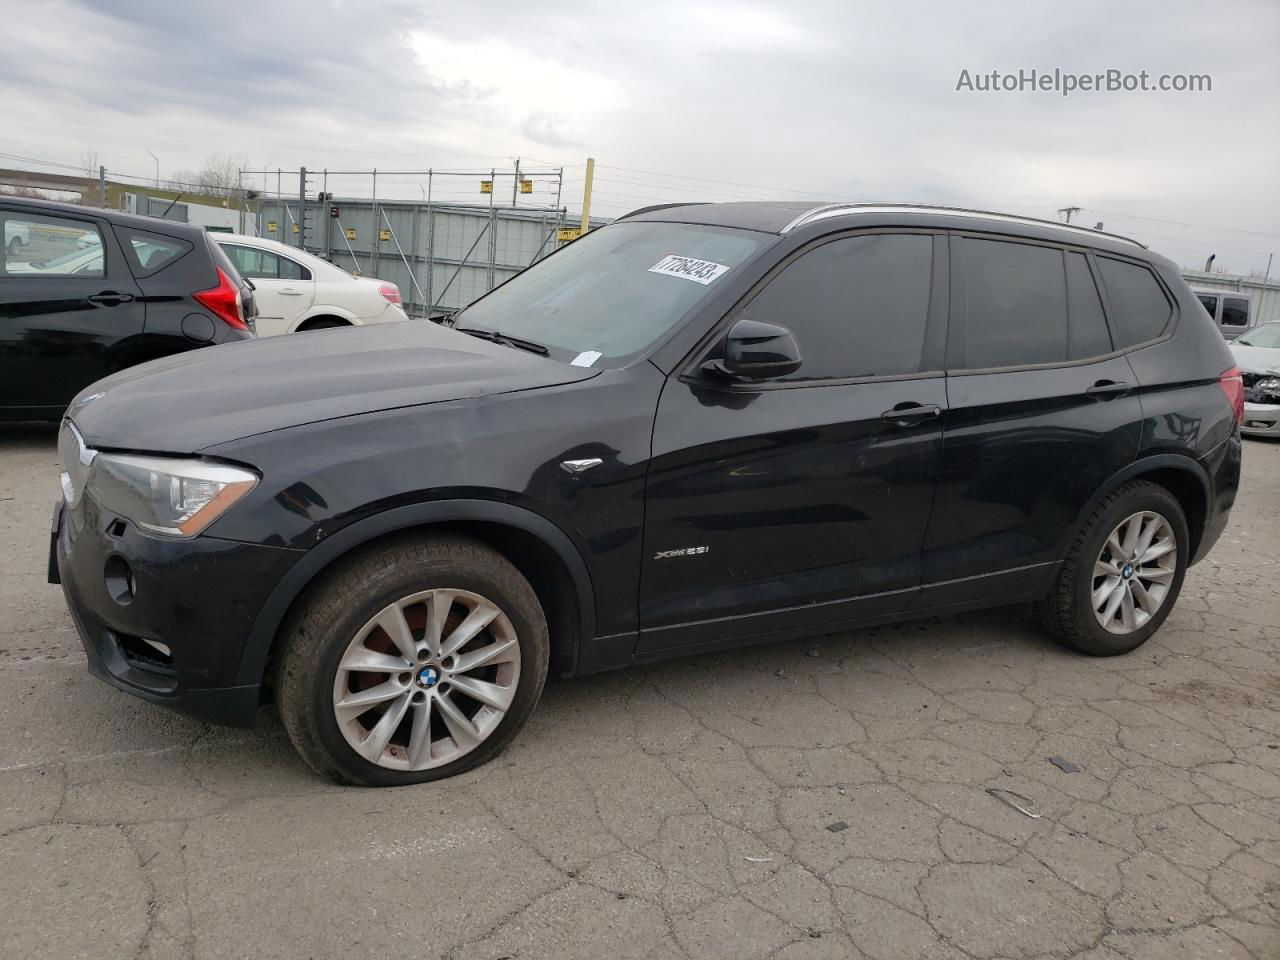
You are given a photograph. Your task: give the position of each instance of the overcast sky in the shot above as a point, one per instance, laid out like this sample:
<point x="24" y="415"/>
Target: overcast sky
<point x="682" y="100"/>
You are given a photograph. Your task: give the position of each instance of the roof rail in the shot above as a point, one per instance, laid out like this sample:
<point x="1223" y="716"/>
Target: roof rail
<point x="839" y="209"/>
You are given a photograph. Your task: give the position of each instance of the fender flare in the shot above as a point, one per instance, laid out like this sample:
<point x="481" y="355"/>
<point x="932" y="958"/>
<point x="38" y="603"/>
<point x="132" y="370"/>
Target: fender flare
<point x="261" y="638"/>
<point x="325" y="310"/>
<point x="1160" y="461"/>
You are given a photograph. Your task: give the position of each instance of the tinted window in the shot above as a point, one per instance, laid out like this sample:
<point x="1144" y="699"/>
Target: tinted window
<point x="1016" y="296"/>
<point x="42" y="246"/>
<point x="1140" y="308"/>
<point x="1235" y="312"/>
<point x="1210" y="303"/>
<point x="263" y="264"/>
<point x="1087" y="333"/>
<point x="857" y="306"/>
<point x="150" y="252"/>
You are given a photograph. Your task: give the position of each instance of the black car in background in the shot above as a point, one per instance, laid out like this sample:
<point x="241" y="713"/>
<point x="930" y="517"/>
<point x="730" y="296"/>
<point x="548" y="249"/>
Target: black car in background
<point x="700" y="426"/>
<point x="85" y="293"/>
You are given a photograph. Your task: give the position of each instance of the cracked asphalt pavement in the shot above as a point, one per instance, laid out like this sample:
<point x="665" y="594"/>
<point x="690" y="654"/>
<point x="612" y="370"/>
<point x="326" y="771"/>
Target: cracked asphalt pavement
<point x="691" y="809"/>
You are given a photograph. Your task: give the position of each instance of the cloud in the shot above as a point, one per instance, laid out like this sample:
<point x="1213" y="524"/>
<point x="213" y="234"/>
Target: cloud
<point x="715" y="100"/>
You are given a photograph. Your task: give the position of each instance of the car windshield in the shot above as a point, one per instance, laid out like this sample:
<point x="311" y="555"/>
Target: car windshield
<point x="1267" y="335"/>
<point x="615" y="292"/>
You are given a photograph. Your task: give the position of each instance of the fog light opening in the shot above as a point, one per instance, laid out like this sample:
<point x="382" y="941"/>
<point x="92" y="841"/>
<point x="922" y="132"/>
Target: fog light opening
<point x="119" y="580"/>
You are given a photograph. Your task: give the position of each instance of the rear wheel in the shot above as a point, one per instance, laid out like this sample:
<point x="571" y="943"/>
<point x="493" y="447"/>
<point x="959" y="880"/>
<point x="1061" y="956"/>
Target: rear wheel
<point x="15" y="246"/>
<point x="416" y="661"/>
<point x="322" y="323"/>
<point x="1123" y="574"/>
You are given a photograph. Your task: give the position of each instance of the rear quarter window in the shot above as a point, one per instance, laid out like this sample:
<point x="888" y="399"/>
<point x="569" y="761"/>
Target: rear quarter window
<point x="1140" y="309"/>
<point x="149" y="253"/>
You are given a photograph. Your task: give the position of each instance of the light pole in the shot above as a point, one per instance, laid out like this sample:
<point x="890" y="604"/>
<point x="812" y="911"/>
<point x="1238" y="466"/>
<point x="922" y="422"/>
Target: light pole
<point x="157" y="160"/>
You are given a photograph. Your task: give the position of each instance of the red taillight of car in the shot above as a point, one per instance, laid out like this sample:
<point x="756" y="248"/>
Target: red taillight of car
<point x="1232" y="385"/>
<point x="390" y="293"/>
<point x="224" y="302"/>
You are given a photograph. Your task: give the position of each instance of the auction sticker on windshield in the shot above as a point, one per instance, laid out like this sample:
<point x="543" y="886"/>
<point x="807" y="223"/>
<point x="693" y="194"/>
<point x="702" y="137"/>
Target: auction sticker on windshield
<point x="699" y="271"/>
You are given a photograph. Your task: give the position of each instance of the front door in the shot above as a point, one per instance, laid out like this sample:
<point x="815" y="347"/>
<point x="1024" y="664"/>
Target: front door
<point x="802" y="501"/>
<point x="69" y="309"/>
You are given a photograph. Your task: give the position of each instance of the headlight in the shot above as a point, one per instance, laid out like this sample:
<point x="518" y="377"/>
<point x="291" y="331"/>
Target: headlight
<point x="169" y="497"/>
<point x="1268" y="386"/>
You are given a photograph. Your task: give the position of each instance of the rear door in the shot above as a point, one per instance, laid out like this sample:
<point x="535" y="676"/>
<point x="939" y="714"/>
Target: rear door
<point x="69" y="309"/>
<point x="803" y="500"/>
<point x="284" y="288"/>
<point x="1043" y="409"/>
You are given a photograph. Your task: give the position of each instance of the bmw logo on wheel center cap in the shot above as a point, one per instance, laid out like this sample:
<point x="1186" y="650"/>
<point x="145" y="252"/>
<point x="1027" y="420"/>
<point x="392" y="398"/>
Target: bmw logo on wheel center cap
<point x="428" y="677"/>
<point x="1127" y="572"/>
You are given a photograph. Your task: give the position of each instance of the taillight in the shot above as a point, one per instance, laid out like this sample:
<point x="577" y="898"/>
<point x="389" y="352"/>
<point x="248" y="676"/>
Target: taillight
<point x="224" y="302"/>
<point x="1232" y="385"/>
<point x="390" y="293"/>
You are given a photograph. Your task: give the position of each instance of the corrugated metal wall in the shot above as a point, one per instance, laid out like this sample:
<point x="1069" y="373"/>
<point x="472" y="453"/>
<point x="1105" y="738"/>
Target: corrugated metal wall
<point x="441" y="256"/>
<point x="1264" y="295"/>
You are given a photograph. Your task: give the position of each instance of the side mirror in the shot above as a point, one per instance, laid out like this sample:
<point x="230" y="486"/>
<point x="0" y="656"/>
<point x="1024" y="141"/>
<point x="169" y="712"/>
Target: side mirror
<point x="754" y="350"/>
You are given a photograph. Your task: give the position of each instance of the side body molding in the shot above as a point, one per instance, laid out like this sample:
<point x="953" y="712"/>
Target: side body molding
<point x="257" y="649"/>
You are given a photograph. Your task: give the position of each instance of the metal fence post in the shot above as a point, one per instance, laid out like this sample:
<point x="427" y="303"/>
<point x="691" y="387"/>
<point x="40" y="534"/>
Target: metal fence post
<point x="302" y="208"/>
<point x="431" y="247"/>
<point x="375" y="246"/>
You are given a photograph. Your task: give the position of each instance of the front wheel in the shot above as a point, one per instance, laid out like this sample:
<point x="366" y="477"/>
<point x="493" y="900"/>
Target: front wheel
<point x="1123" y="574"/>
<point x="418" y="660"/>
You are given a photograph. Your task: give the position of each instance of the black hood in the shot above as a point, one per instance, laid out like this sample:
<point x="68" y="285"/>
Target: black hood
<point x="184" y="403"/>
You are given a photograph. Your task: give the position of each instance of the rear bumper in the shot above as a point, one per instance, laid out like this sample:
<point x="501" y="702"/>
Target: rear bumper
<point x="1261" y="420"/>
<point x="1223" y="467"/>
<point x="196" y="599"/>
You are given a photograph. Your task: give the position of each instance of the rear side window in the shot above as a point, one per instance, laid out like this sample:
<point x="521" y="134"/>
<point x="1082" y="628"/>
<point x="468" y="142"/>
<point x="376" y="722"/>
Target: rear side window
<point x="1140" y="309"/>
<point x="1087" y="333"/>
<point x="259" y="264"/>
<point x="150" y="253"/>
<point x="1209" y="303"/>
<point x="1235" y="312"/>
<point x="1016" y="304"/>
<point x="42" y="246"/>
<point x="858" y="306"/>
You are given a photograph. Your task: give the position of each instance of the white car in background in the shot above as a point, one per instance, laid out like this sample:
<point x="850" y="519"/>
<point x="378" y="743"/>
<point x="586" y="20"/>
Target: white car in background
<point x="296" y="290"/>
<point x="1257" y="355"/>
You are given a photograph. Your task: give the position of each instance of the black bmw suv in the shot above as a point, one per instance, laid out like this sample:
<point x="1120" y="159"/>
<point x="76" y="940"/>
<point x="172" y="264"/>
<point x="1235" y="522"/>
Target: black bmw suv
<point x="703" y="425"/>
<point x="87" y="292"/>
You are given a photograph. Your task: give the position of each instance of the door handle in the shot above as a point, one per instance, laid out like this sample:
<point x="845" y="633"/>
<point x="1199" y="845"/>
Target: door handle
<point x="109" y="298"/>
<point x="906" y="413"/>
<point x="290" y="292"/>
<point x="1104" y="389"/>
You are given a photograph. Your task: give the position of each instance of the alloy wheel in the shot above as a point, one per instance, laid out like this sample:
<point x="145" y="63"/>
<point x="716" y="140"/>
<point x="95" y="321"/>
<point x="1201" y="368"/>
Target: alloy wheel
<point x="1134" y="572"/>
<point x="427" y="679"/>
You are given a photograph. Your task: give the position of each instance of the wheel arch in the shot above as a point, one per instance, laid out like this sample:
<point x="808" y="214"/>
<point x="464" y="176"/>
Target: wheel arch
<point x="542" y="552"/>
<point x="1182" y="476"/>
<point x="325" y="312"/>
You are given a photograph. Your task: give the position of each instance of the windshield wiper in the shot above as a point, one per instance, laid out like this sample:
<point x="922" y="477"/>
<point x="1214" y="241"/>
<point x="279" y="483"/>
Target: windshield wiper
<point x="493" y="336"/>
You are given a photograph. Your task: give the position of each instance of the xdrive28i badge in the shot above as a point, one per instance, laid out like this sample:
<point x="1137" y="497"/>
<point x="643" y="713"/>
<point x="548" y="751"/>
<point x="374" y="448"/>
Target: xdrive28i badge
<point x="680" y="552"/>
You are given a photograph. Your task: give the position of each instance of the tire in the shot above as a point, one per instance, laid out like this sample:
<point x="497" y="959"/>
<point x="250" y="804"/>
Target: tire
<point x="324" y="323"/>
<point x="15" y="246"/>
<point x="1068" y="612"/>
<point x="314" y="677"/>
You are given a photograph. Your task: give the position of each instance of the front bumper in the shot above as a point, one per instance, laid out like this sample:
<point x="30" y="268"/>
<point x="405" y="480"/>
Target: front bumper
<point x="1261" y="420"/>
<point x="164" y="620"/>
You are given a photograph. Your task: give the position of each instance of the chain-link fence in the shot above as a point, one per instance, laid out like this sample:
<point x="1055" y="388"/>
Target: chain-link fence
<point x="441" y="250"/>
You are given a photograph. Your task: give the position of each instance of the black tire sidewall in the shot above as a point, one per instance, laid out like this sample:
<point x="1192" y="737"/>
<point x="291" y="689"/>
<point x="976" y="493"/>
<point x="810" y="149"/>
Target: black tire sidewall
<point x="530" y="632"/>
<point x="1093" y="637"/>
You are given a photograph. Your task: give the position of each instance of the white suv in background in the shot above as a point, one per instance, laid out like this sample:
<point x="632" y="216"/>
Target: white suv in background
<point x="299" y="291"/>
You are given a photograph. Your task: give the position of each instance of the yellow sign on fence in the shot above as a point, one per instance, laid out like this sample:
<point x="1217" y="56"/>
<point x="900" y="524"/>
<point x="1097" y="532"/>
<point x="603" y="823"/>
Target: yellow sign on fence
<point x="486" y="186"/>
<point x="351" y="233"/>
<point x="384" y="234"/>
<point x="296" y="228"/>
<point x="271" y="226"/>
<point x="526" y="186"/>
<point x="566" y="234"/>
